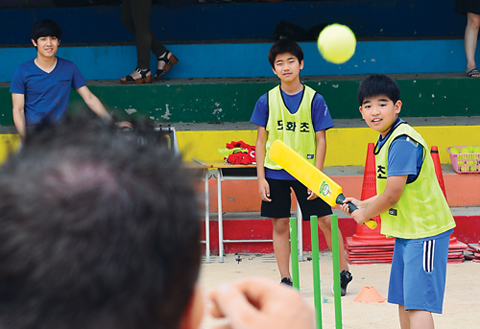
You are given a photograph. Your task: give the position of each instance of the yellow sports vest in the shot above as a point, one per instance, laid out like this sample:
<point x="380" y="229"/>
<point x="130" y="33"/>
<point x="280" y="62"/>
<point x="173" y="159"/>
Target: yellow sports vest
<point x="422" y="210"/>
<point x="295" y="130"/>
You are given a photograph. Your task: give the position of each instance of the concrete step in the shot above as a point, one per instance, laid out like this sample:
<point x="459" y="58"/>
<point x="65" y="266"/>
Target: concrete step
<point x="435" y="121"/>
<point x="221" y="60"/>
<point x="351" y="135"/>
<point x="232" y="100"/>
<point x="204" y="144"/>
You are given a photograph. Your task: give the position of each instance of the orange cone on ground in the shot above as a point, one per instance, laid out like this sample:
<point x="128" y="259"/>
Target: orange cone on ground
<point x="369" y="295"/>
<point x="455" y="248"/>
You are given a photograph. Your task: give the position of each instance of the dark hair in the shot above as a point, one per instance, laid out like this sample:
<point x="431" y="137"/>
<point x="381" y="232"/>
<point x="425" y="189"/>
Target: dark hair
<point x="96" y="231"/>
<point x="44" y="28"/>
<point x="284" y="46"/>
<point x="376" y="85"/>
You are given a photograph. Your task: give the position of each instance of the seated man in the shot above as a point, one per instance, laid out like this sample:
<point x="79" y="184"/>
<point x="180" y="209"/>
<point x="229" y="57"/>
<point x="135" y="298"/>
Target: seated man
<point x="97" y="231"/>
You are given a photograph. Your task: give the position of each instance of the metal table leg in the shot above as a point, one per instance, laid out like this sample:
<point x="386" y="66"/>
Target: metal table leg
<point x="220" y="216"/>
<point x="207" y="219"/>
<point x="299" y="231"/>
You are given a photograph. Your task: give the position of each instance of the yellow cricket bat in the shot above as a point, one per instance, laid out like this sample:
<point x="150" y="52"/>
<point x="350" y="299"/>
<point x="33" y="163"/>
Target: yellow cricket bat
<point x="310" y="176"/>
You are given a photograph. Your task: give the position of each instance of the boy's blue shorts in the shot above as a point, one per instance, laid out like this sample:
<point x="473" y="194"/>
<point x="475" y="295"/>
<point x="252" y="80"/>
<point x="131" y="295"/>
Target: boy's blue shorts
<point x="419" y="270"/>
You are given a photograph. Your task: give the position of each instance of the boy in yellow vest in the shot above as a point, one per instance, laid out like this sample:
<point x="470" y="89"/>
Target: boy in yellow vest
<point x="299" y="116"/>
<point x="411" y="204"/>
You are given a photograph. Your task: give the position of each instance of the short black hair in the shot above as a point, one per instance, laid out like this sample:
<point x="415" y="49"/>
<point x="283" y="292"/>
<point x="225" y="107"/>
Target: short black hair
<point x="376" y="85"/>
<point x="96" y="231"/>
<point x="45" y="28"/>
<point x="283" y="46"/>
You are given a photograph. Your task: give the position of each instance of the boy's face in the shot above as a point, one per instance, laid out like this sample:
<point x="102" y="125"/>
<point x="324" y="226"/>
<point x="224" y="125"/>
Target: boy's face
<point x="47" y="46"/>
<point x="287" y="67"/>
<point x="380" y="113"/>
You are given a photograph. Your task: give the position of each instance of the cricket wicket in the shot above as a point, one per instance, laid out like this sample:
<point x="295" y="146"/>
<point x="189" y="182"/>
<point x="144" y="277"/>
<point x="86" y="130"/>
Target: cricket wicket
<point x="316" y="267"/>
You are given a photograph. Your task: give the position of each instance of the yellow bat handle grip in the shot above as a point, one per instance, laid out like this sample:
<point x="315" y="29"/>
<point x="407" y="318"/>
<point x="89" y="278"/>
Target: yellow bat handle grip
<point x="371" y="224"/>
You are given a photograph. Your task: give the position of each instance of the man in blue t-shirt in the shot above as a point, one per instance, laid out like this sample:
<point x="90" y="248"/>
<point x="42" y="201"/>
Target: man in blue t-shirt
<point x="41" y="86"/>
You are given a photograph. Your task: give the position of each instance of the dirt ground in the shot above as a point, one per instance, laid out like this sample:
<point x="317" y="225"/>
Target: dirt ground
<point x="461" y="303"/>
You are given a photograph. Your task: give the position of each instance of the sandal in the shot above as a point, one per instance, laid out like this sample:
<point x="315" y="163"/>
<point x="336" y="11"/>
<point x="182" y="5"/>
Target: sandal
<point x="143" y="77"/>
<point x="169" y="62"/>
<point x="473" y="73"/>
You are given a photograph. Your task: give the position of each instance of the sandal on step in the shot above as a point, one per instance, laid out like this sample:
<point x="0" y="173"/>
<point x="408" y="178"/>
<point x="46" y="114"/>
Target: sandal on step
<point x="169" y="62"/>
<point x="143" y="77"/>
<point x="473" y="73"/>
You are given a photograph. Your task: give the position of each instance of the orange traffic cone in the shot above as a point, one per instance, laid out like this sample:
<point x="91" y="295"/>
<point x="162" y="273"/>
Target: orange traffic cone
<point x="438" y="169"/>
<point x="369" y="295"/>
<point x="369" y="189"/>
<point x="369" y="246"/>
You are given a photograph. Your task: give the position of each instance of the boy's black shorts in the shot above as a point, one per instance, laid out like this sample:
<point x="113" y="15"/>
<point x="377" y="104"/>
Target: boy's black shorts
<point x="280" y="194"/>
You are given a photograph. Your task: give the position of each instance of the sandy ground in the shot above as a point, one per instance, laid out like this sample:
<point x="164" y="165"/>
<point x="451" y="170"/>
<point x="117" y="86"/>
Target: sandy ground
<point x="461" y="303"/>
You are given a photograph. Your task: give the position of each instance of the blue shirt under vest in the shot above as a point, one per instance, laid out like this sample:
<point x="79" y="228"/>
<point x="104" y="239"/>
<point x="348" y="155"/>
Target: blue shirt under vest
<point x="46" y="94"/>
<point x="405" y="156"/>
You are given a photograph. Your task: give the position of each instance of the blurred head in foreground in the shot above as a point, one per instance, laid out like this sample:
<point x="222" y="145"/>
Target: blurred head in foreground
<point x="97" y="231"/>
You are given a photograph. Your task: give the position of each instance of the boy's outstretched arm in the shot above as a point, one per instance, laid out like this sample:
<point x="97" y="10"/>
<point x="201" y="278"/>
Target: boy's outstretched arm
<point x="258" y="303"/>
<point x="97" y="107"/>
<point x="260" y="147"/>
<point x="375" y="206"/>
<point x="18" y="101"/>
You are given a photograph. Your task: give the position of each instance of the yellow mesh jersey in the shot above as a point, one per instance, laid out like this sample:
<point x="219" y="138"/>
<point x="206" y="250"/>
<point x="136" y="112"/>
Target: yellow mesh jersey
<point x="422" y="210"/>
<point x="295" y="130"/>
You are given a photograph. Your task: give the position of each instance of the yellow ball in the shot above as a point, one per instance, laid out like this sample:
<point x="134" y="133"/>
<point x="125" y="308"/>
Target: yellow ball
<point x="336" y="43"/>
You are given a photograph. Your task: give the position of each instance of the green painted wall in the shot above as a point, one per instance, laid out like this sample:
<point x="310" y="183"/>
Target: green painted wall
<point x="221" y="101"/>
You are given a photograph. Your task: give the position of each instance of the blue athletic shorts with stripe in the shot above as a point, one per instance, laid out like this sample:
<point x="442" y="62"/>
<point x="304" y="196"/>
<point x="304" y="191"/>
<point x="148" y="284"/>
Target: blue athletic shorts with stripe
<point x="419" y="270"/>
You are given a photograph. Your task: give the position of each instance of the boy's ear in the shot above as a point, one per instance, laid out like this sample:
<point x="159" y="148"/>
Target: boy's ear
<point x="360" y="109"/>
<point x="398" y="106"/>
<point x="301" y="64"/>
<point x="194" y="312"/>
<point x="34" y="43"/>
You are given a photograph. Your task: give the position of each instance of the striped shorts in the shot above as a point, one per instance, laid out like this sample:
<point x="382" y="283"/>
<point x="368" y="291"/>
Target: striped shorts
<point x="419" y="269"/>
